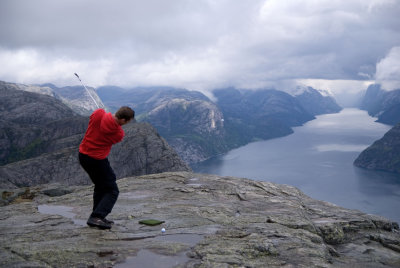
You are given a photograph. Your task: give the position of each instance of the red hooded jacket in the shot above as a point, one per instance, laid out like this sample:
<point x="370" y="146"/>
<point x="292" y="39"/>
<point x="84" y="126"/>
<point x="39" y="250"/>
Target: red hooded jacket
<point x="103" y="131"/>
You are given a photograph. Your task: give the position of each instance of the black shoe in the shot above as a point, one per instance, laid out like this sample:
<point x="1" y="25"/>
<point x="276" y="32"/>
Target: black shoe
<point x="99" y="223"/>
<point x="108" y="221"/>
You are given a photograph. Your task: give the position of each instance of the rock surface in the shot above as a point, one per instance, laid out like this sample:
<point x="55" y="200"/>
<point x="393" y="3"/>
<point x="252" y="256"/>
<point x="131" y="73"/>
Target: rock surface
<point x="210" y="221"/>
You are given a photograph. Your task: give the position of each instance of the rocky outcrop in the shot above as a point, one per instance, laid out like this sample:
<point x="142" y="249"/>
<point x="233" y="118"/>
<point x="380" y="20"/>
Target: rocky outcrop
<point x="210" y="221"/>
<point x="382" y="104"/>
<point x="143" y="151"/>
<point x="383" y="154"/>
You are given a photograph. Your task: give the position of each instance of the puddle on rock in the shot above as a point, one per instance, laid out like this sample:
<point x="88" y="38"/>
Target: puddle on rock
<point x="189" y="239"/>
<point x="147" y="259"/>
<point x="194" y="182"/>
<point x="61" y="211"/>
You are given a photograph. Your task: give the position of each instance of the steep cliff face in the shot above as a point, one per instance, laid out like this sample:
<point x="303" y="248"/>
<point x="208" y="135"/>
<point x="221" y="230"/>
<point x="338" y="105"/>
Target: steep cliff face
<point x="190" y="122"/>
<point x="193" y="127"/>
<point x="40" y="136"/>
<point x="383" y="154"/>
<point x="382" y="104"/>
<point x="30" y="121"/>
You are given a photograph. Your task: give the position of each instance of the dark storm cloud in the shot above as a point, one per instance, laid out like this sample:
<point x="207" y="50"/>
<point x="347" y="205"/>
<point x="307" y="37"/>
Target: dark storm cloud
<point x="197" y="44"/>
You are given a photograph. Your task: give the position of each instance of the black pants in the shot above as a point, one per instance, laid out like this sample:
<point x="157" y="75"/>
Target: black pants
<point x="105" y="187"/>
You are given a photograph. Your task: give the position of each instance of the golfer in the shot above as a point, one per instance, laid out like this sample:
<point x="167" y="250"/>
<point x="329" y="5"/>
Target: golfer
<point x="103" y="131"/>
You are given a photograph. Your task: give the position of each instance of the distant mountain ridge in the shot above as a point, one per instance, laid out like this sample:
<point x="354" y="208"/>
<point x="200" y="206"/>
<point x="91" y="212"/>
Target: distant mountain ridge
<point x="259" y="115"/>
<point x="194" y="125"/>
<point x="199" y="128"/>
<point x="75" y="97"/>
<point x="382" y="104"/>
<point x="383" y="154"/>
<point x="317" y="102"/>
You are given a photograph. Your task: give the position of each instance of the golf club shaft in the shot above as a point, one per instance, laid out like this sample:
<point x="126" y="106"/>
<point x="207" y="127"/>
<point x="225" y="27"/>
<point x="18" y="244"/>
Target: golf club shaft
<point x="87" y="90"/>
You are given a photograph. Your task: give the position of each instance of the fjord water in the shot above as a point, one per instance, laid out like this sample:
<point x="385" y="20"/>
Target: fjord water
<point x="318" y="159"/>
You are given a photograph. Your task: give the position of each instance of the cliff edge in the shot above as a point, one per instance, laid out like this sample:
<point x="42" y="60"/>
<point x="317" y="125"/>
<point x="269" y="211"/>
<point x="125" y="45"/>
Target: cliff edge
<point x="210" y="221"/>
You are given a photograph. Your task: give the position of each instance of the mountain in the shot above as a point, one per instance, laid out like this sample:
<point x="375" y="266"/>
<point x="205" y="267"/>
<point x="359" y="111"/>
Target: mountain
<point x="40" y="136"/>
<point x="141" y="152"/>
<point x="314" y="101"/>
<point x="382" y="104"/>
<point x="198" y="128"/>
<point x="30" y="122"/>
<point x="257" y="115"/>
<point x="189" y="121"/>
<point x="76" y="97"/>
<point x="383" y="154"/>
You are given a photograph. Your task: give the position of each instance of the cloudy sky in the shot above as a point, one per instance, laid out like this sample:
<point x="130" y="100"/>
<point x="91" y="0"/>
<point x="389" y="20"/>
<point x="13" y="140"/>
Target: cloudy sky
<point x="201" y="44"/>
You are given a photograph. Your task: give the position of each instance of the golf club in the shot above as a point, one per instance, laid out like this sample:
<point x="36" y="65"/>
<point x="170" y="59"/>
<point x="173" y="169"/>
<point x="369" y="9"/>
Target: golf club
<point x="87" y="90"/>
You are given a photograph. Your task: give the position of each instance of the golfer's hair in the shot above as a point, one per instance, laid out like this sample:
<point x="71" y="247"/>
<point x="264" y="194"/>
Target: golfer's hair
<point x="125" y="112"/>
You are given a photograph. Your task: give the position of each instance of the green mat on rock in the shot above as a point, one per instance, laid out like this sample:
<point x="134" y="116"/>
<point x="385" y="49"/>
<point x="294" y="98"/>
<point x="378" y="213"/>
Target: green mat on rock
<point x="151" y="222"/>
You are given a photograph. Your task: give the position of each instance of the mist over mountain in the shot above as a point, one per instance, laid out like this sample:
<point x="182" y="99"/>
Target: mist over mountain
<point x="316" y="102"/>
<point x="382" y="104"/>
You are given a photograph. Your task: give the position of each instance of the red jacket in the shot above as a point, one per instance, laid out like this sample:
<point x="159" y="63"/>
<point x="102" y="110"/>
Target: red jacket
<point x="103" y="131"/>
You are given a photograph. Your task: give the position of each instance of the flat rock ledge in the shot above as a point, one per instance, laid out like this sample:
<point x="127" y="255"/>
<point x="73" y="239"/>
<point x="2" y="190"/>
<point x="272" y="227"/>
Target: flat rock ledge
<point x="210" y="221"/>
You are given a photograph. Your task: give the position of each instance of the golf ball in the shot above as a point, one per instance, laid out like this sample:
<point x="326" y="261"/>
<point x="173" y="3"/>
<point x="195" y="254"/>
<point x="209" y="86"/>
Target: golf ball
<point x="163" y="230"/>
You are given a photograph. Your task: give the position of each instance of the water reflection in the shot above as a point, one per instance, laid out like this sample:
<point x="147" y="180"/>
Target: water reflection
<point x="381" y="192"/>
<point x="341" y="147"/>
